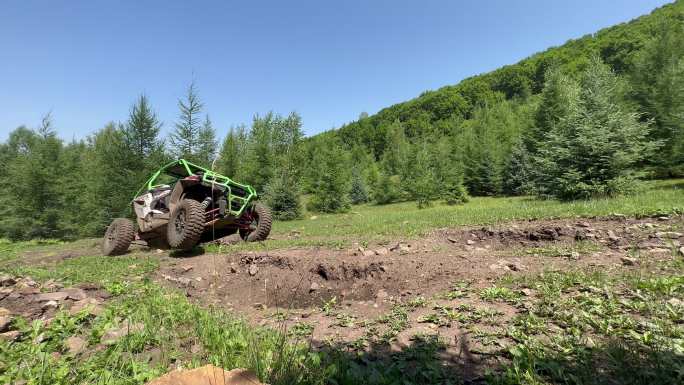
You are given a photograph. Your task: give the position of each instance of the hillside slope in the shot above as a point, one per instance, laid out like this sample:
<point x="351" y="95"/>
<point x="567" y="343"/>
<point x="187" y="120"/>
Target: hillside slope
<point x="444" y="109"/>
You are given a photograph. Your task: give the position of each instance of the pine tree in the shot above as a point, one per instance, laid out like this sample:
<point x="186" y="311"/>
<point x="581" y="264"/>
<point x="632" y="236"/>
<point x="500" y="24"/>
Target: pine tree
<point x="111" y="176"/>
<point x="518" y="172"/>
<point x="358" y="192"/>
<point x="142" y="129"/>
<point x="231" y="155"/>
<point x="141" y="135"/>
<point x="593" y="151"/>
<point x="185" y="139"/>
<point x="260" y="159"/>
<point x="283" y="196"/>
<point x="420" y="176"/>
<point x="332" y="188"/>
<point x="206" y="144"/>
<point x="387" y="189"/>
<point x="557" y="100"/>
<point x="658" y="79"/>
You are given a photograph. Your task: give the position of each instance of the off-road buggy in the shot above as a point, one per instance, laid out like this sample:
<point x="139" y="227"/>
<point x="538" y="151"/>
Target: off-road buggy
<point x="183" y="204"/>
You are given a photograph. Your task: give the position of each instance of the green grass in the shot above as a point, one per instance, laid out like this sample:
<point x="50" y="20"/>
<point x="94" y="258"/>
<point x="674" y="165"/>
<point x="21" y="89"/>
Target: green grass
<point x="378" y="223"/>
<point x="100" y="269"/>
<point x="171" y="325"/>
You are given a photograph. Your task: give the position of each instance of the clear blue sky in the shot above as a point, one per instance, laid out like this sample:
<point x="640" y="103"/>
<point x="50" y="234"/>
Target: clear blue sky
<point x="86" y="61"/>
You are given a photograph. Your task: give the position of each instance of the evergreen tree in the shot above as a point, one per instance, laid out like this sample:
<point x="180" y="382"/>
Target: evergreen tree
<point x="518" y="172"/>
<point x="206" y="144"/>
<point x="593" y="150"/>
<point x="283" y="191"/>
<point x="658" y="79"/>
<point x="387" y="189"/>
<point x="358" y="192"/>
<point x="185" y="139"/>
<point x="260" y="159"/>
<point x="142" y="129"/>
<point x="332" y="188"/>
<point x="110" y="173"/>
<point x="141" y="135"/>
<point x="231" y="155"/>
<point x="283" y="196"/>
<point x="557" y="101"/>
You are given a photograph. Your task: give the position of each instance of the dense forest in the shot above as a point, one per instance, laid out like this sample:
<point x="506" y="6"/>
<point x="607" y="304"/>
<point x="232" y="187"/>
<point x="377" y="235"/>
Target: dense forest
<point x="583" y="120"/>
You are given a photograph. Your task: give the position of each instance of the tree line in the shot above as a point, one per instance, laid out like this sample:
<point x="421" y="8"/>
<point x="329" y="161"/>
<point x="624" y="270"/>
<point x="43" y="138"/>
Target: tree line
<point x="583" y="120"/>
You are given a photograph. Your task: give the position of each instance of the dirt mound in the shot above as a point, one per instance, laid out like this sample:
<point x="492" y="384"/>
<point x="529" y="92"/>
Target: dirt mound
<point x="349" y="271"/>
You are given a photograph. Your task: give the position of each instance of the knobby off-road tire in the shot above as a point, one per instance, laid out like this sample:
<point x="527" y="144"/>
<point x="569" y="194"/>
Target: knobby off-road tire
<point x="262" y="216"/>
<point x="186" y="225"/>
<point x="118" y="237"/>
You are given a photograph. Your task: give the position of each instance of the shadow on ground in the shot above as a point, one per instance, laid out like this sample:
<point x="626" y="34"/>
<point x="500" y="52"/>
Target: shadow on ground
<point x="426" y="362"/>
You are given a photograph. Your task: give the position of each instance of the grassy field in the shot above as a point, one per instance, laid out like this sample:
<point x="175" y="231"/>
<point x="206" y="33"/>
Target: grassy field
<point x="372" y="223"/>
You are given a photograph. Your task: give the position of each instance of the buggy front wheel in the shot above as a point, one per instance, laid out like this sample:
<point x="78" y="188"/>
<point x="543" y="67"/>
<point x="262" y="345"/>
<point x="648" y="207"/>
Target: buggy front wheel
<point x="259" y="219"/>
<point x="186" y="225"/>
<point x="118" y="237"/>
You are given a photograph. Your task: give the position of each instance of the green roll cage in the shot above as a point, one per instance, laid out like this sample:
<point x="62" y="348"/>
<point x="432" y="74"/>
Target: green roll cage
<point x="181" y="168"/>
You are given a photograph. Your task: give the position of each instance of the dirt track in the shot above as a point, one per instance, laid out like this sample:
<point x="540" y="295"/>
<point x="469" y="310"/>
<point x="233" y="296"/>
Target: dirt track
<point x="284" y="287"/>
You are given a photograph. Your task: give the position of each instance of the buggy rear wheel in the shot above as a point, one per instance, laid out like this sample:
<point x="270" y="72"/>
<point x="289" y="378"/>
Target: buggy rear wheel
<point x="186" y="225"/>
<point x="260" y="223"/>
<point x="118" y="237"/>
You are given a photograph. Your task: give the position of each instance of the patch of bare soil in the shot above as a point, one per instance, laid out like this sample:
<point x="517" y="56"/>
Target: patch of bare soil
<point x="340" y="292"/>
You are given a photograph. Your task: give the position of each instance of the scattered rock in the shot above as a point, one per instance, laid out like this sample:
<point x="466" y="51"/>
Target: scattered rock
<point x="381" y="295"/>
<point x="314" y="286"/>
<point x="382" y="251"/>
<point x="11" y="335"/>
<point x="313" y="217"/>
<point x="253" y="269"/>
<point x="186" y="268"/>
<point x="259" y="306"/>
<point x="612" y="237"/>
<point x="660" y="250"/>
<point x="75" y="293"/>
<point x="92" y="306"/>
<point x="112" y="335"/>
<point x="629" y="261"/>
<point x="27" y="282"/>
<point x="527" y="292"/>
<point x="368" y="253"/>
<point x="470" y="242"/>
<point x="208" y="374"/>
<point x="681" y="251"/>
<point x="452" y="240"/>
<point x="515" y="266"/>
<point x="6" y="280"/>
<point x="55" y="296"/>
<point x="401" y="247"/>
<point x="4" y="312"/>
<point x="233" y="270"/>
<point x="663" y="218"/>
<point x="75" y="345"/>
<point x="668" y="235"/>
<point x="584" y="224"/>
<point x="676" y="302"/>
<point x="5" y="322"/>
<point x="50" y="305"/>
